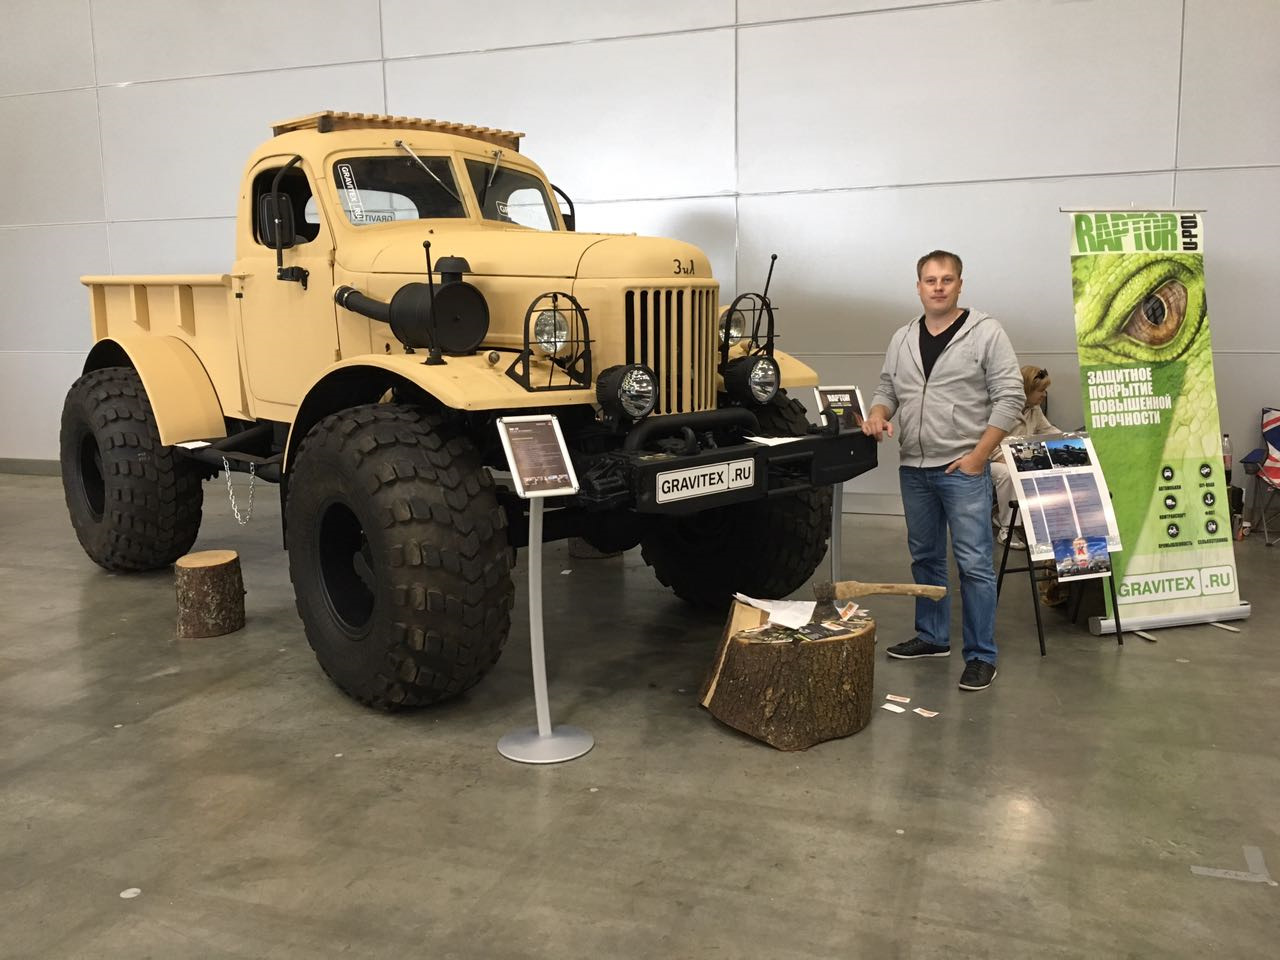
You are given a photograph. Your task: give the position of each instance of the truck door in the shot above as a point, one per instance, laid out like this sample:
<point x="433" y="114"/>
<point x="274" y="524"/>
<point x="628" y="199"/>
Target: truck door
<point x="290" y="325"/>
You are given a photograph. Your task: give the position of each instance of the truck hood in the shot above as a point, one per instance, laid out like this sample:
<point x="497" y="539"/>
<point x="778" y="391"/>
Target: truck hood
<point x="495" y="252"/>
<point x="505" y="252"/>
<point x="621" y="257"/>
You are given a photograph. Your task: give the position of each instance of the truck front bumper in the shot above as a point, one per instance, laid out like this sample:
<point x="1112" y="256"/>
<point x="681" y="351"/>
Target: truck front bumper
<point x="676" y="484"/>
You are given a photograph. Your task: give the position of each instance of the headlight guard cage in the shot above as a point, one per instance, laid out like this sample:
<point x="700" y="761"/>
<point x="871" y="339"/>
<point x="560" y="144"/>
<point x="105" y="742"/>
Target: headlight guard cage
<point x="758" y="308"/>
<point x="575" y="364"/>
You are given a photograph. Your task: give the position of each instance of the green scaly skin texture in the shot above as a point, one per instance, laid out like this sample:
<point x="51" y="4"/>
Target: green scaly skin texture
<point x="1107" y="290"/>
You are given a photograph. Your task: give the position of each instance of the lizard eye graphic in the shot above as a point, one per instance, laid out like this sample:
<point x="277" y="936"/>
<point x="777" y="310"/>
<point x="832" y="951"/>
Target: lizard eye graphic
<point x="1158" y="316"/>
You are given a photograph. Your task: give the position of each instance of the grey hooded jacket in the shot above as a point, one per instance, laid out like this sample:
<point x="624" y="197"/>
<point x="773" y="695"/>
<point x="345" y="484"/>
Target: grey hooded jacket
<point x="975" y="383"/>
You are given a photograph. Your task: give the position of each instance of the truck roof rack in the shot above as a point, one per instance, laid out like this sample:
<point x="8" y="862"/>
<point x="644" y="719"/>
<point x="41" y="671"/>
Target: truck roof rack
<point x="327" y="121"/>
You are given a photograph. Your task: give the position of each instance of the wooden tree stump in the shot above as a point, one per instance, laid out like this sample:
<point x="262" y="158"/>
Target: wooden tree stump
<point x="791" y="695"/>
<point x="210" y="593"/>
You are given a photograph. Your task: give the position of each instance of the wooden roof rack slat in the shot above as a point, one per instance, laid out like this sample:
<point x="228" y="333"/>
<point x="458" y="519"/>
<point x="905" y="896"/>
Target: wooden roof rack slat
<point x="327" y="121"/>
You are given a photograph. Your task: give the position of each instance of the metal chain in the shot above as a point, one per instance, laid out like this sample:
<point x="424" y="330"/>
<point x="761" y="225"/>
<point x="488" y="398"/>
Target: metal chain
<point x="232" y="494"/>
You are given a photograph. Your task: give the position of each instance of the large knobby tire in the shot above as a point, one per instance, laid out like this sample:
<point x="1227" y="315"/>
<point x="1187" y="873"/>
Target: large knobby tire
<point x="135" y="503"/>
<point x="398" y="555"/>
<point x="765" y="548"/>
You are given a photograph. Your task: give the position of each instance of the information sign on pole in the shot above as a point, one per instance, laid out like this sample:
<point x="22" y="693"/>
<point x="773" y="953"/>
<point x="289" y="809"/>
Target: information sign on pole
<point x="541" y="468"/>
<point x="845" y="404"/>
<point x="539" y="460"/>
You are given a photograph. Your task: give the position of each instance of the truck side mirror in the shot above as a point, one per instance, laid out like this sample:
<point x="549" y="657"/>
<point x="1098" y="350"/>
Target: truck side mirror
<point x="273" y="207"/>
<point x="569" y="216"/>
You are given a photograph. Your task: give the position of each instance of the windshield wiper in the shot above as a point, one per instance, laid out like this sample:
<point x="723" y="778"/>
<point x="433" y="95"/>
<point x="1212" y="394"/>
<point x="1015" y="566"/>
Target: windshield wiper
<point x="497" y="155"/>
<point x="409" y="150"/>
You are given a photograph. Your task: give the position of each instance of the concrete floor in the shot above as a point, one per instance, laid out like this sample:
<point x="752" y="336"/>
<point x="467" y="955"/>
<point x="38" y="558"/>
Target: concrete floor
<point x="262" y="814"/>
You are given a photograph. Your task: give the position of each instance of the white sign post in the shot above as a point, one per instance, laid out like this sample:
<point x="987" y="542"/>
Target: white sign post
<point x="541" y="468"/>
<point x="845" y="404"/>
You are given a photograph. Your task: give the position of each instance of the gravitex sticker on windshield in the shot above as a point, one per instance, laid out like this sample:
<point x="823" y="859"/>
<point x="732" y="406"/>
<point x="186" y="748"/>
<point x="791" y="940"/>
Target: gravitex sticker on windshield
<point x="355" y="205"/>
<point x="702" y="481"/>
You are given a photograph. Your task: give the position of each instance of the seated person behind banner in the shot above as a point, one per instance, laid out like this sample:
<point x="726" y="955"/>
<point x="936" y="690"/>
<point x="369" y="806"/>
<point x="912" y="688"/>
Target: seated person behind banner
<point x="1035" y="382"/>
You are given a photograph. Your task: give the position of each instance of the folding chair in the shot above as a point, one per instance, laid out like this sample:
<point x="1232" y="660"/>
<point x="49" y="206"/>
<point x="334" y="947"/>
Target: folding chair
<point x="1266" y="477"/>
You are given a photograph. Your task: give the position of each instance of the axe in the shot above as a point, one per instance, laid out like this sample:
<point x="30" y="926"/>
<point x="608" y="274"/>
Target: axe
<point x="827" y="594"/>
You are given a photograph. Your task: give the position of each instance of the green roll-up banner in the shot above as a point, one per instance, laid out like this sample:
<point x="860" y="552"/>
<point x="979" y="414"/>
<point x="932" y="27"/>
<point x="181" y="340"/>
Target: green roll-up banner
<point x="1146" y="375"/>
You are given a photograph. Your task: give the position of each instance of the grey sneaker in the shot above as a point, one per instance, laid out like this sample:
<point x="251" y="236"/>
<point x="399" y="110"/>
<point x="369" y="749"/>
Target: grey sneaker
<point x="915" y="648"/>
<point x="977" y="675"/>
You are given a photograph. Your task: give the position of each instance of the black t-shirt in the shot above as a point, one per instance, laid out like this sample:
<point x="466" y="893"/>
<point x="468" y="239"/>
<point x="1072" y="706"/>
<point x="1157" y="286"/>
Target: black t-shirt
<point x="931" y="347"/>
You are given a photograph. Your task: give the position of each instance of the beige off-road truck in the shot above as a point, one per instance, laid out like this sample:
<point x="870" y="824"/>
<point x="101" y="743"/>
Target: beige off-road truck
<point x="399" y="284"/>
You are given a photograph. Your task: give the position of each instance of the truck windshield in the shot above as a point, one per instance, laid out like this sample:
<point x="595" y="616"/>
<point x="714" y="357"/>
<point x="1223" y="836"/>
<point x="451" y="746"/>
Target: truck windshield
<point x="383" y="189"/>
<point x="511" y="195"/>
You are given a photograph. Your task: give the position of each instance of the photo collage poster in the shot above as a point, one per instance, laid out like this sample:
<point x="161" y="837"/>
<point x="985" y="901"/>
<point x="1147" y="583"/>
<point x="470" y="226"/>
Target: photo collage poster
<point x="1064" y="503"/>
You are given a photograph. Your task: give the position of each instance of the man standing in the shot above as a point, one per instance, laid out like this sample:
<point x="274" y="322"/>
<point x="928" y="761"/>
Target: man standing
<point x="952" y="378"/>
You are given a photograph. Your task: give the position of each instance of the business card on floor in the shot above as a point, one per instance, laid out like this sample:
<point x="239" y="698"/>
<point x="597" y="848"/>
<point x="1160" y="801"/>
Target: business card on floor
<point x="897" y="699"/>
<point x="925" y="713"/>
<point x="892" y="708"/>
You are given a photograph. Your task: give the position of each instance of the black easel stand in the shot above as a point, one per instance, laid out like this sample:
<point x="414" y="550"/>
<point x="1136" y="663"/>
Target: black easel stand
<point x="1031" y="570"/>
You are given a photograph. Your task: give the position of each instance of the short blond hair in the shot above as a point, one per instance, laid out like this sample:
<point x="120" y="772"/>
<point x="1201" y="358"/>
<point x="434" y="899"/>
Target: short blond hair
<point x="939" y="255"/>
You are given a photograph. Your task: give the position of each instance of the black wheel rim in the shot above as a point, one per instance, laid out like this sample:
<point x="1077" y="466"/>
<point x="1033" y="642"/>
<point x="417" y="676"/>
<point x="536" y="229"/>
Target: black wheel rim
<point x="346" y="568"/>
<point x="91" y="483"/>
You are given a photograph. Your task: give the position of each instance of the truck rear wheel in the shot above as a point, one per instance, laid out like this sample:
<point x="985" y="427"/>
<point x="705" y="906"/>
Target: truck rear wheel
<point x="135" y="504"/>
<point x="765" y="548"/>
<point x="398" y="555"/>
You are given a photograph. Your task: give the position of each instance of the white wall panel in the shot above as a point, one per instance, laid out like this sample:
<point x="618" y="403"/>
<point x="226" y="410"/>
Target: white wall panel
<point x="708" y="222"/>
<point x="52" y="165"/>
<point x="33" y="385"/>
<point x="46" y="308"/>
<point x="845" y="277"/>
<point x="1024" y="90"/>
<point x="413" y="28"/>
<point x="1240" y="261"/>
<point x="45" y="46"/>
<point x="623" y="119"/>
<point x="173" y="246"/>
<point x="160" y="39"/>
<point x="757" y="11"/>
<point x="175" y="150"/>
<point x="1231" y="83"/>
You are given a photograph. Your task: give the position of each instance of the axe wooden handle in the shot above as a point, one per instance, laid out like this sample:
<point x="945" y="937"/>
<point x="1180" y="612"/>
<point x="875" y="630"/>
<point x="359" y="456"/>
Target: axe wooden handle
<point x="852" y="589"/>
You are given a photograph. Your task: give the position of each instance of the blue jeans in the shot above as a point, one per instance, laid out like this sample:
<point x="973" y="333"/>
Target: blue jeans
<point x="933" y="500"/>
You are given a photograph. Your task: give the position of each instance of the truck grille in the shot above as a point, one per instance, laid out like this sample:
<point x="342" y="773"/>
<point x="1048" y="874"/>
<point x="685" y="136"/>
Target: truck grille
<point x="672" y="331"/>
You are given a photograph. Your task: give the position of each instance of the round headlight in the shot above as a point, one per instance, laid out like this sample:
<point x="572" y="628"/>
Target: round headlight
<point x="752" y="380"/>
<point x="551" y="331"/>
<point x="629" y="390"/>
<point x="763" y="380"/>
<point x="734" y="322"/>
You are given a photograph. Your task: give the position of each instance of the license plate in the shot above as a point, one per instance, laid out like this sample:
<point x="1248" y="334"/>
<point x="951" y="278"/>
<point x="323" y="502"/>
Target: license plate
<point x="703" y="481"/>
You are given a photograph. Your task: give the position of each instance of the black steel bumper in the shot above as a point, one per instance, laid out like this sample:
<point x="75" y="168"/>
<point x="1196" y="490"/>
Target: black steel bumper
<point x="675" y="484"/>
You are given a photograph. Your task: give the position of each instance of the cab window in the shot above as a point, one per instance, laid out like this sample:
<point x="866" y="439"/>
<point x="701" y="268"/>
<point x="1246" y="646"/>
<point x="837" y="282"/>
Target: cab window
<point x="384" y="189"/>
<point x="509" y="195"/>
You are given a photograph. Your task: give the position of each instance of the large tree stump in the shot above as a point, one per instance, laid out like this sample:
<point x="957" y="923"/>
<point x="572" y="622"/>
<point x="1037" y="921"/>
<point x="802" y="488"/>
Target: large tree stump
<point x="790" y="694"/>
<point x="210" y="593"/>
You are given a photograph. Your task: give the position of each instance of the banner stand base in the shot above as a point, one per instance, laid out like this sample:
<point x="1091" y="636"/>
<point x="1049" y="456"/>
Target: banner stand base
<point x="1100" y="625"/>
<point x="562" y="743"/>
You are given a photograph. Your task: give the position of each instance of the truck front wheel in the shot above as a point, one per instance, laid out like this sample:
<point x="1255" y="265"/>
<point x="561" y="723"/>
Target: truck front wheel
<point x="135" y="504"/>
<point x="398" y="555"/>
<point x="764" y="548"/>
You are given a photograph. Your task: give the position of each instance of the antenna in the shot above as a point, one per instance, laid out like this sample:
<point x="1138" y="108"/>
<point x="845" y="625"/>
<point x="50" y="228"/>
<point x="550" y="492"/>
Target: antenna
<point x="434" y="359"/>
<point x="773" y="258"/>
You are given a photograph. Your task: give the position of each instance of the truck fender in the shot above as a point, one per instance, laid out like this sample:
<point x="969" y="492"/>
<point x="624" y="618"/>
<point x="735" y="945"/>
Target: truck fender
<point x="183" y="400"/>
<point x="338" y="389"/>
<point x="794" y="373"/>
<point x="464" y="383"/>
